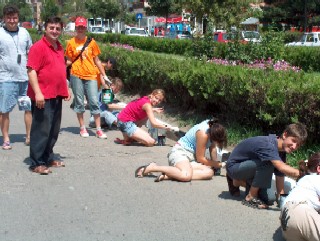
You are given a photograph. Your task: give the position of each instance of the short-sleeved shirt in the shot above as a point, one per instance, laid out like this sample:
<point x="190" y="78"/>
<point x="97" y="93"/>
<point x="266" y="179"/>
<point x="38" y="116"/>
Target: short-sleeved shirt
<point x="51" y="69"/>
<point x="307" y="189"/>
<point x="189" y="140"/>
<point x="133" y="111"/>
<point x="84" y="67"/>
<point x="263" y="148"/>
<point x="13" y="44"/>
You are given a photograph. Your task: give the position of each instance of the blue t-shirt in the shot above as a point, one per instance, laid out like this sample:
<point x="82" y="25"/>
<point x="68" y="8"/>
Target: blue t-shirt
<point x="189" y="140"/>
<point x="263" y="148"/>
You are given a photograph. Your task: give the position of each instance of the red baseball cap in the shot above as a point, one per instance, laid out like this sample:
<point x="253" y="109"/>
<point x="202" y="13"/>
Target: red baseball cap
<point x="81" y="21"/>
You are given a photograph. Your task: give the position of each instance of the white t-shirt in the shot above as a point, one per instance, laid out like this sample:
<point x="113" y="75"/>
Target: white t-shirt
<point x="307" y="189"/>
<point x="13" y="44"/>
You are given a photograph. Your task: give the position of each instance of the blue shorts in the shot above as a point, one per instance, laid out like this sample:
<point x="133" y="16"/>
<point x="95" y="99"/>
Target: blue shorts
<point x="11" y="93"/>
<point x="127" y="127"/>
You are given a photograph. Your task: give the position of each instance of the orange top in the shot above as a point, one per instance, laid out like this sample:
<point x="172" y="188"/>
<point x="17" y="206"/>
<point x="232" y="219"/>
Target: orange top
<point x="84" y="67"/>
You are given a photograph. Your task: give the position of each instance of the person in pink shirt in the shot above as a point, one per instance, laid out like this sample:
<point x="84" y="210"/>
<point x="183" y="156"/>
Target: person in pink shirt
<point x="136" y="113"/>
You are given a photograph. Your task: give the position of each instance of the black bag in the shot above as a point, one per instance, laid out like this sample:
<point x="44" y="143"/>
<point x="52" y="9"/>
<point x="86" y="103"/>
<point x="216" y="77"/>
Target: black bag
<point x="83" y="48"/>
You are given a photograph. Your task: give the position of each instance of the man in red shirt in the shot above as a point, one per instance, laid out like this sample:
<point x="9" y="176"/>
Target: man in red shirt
<point x="47" y="87"/>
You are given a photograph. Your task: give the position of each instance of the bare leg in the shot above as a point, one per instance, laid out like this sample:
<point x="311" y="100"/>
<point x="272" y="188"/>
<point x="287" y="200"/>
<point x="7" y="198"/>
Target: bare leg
<point x="143" y="137"/>
<point x="80" y="119"/>
<point x="97" y="120"/>
<point x="28" y="121"/>
<point x="5" y="121"/>
<point x="183" y="171"/>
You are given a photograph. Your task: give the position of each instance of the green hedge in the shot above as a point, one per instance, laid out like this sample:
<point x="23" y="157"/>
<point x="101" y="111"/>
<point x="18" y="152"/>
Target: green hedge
<point x="264" y="97"/>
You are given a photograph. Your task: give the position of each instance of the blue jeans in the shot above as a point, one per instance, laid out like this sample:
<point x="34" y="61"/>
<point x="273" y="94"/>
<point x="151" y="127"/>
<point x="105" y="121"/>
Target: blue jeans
<point x="44" y="131"/>
<point x="80" y="88"/>
<point x="127" y="127"/>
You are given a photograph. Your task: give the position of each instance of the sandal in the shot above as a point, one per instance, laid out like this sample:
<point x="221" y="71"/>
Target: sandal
<point x="143" y="174"/>
<point x="57" y="164"/>
<point x="160" y="178"/>
<point x="6" y="145"/>
<point x="42" y="170"/>
<point x="123" y="142"/>
<point x="255" y="203"/>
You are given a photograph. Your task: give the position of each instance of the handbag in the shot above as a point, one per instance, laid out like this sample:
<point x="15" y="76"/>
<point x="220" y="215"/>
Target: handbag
<point x="83" y="48"/>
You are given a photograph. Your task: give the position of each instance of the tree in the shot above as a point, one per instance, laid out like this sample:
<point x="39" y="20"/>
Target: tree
<point x="49" y="9"/>
<point x="25" y="10"/>
<point x="222" y="13"/>
<point x="295" y="12"/>
<point x="103" y="8"/>
<point x="164" y="7"/>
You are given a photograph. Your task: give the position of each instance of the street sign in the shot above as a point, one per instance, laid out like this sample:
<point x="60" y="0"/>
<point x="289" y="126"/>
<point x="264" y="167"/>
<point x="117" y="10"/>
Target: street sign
<point x="139" y="16"/>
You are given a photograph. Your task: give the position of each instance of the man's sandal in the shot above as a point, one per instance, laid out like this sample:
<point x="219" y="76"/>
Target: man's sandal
<point x="42" y="170"/>
<point x="255" y="203"/>
<point x="57" y="164"/>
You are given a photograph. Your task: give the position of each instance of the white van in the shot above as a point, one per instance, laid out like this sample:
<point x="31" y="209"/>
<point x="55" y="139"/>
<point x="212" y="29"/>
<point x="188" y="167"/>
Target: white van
<point x="70" y="27"/>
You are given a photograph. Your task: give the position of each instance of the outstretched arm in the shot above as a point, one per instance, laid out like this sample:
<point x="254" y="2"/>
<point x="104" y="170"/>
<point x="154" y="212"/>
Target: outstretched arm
<point x="286" y="169"/>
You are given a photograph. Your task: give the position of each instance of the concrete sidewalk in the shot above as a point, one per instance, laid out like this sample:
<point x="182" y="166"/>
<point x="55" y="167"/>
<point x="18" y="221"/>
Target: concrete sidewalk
<point x="97" y="197"/>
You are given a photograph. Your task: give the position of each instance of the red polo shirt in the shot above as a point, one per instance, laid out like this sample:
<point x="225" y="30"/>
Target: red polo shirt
<point x="50" y="67"/>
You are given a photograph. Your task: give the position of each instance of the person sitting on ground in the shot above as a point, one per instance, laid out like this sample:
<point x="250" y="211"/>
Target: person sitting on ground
<point x="187" y="159"/>
<point x="300" y="219"/>
<point x="253" y="161"/>
<point x="109" y="111"/>
<point x="135" y="114"/>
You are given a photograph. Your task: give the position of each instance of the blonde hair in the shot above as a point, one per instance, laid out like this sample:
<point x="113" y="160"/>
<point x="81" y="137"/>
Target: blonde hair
<point x="158" y="92"/>
<point x="117" y="82"/>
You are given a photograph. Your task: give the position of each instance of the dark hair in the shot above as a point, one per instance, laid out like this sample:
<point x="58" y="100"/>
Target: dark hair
<point x="10" y="9"/>
<point x="310" y="165"/>
<point x="53" y="19"/>
<point x="217" y="133"/>
<point x="113" y="62"/>
<point x="297" y="130"/>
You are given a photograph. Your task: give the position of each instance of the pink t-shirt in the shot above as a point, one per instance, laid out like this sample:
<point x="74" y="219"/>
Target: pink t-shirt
<point x="133" y="111"/>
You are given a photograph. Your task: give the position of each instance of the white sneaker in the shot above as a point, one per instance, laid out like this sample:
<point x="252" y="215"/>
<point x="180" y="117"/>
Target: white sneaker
<point x="84" y="133"/>
<point x="101" y="135"/>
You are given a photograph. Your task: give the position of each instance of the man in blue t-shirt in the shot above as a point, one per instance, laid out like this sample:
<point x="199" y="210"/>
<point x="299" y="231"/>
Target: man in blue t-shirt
<point x="253" y="161"/>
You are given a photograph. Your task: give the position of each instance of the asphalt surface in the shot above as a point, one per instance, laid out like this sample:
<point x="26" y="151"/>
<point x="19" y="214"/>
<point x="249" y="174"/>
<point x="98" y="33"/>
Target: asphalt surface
<point x="96" y="196"/>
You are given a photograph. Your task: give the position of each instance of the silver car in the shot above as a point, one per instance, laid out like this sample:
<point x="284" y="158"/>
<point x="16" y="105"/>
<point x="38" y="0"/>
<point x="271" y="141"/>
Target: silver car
<point x="179" y="34"/>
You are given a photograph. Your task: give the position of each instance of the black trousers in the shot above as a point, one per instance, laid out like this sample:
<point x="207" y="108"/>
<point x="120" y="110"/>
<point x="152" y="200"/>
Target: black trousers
<point x="44" y="131"/>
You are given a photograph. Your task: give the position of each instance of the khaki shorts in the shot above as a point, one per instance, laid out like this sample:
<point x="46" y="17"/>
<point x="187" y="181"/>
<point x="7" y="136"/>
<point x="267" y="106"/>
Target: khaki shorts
<point x="179" y="154"/>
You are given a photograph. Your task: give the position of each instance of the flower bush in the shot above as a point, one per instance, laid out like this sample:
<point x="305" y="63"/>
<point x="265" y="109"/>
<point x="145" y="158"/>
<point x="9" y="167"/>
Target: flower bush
<point x="279" y="65"/>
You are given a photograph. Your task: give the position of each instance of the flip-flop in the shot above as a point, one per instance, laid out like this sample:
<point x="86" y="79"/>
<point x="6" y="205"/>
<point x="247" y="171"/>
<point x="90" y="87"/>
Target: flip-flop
<point x="6" y="145"/>
<point x="160" y="177"/>
<point x="144" y="167"/>
<point x="123" y="142"/>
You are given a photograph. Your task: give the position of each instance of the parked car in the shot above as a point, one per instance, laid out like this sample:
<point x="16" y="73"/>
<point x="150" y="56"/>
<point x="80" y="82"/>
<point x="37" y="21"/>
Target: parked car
<point x="251" y="36"/>
<point x="98" y="30"/>
<point x="137" y="32"/>
<point x="307" y="39"/>
<point x="243" y="36"/>
<point x="179" y="34"/>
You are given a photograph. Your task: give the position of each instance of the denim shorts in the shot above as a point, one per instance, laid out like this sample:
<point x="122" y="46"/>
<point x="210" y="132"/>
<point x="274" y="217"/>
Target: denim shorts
<point x="127" y="127"/>
<point x="88" y="88"/>
<point x="179" y="154"/>
<point x="11" y="93"/>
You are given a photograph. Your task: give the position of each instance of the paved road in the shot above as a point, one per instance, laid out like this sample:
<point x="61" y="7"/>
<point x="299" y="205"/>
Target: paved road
<point x="96" y="197"/>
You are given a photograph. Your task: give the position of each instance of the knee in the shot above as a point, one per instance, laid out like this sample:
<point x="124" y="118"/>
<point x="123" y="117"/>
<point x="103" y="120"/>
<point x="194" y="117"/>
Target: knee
<point x="185" y="176"/>
<point x="208" y="174"/>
